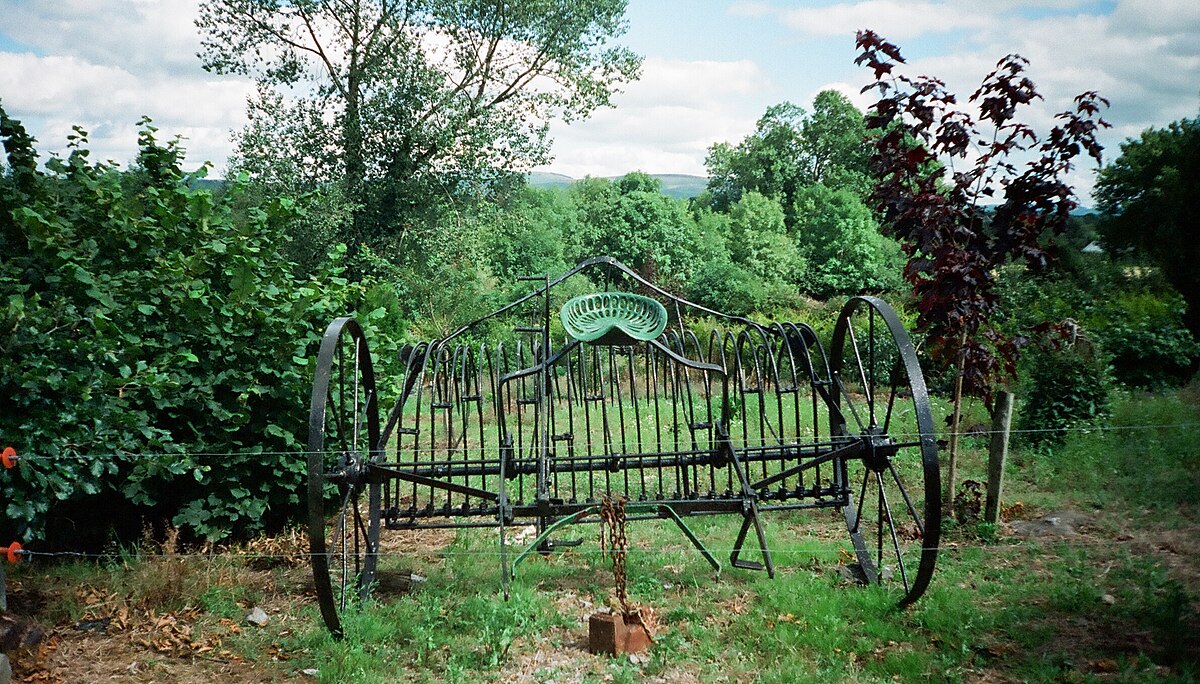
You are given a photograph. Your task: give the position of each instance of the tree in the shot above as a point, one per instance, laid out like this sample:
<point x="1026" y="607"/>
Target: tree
<point x="1150" y="200"/>
<point x="839" y="237"/>
<point x="530" y="234"/>
<point x="937" y="210"/>
<point x="834" y="144"/>
<point x="759" y="241"/>
<point x="790" y="149"/>
<point x="767" y="161"/>
<point x="633" y="221"/>
<point x="401" y="102"/>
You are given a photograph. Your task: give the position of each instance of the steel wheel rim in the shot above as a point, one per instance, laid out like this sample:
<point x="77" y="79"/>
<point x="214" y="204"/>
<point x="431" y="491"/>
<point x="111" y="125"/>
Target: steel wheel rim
<point x="342" y="443"/>
<point x="893" y="510"/>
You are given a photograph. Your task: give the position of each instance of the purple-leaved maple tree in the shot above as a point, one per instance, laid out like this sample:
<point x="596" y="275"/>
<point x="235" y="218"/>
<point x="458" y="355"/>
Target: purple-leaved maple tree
<point x="966" y="188"/>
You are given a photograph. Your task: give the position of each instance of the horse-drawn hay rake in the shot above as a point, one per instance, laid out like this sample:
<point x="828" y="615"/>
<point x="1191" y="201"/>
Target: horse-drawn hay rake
<point x="745" y="420"/>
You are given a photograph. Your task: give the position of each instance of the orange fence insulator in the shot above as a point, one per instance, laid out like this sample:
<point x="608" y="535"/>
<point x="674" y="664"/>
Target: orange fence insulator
<point x="8" y="457"/>
<point x="12" y="552"/>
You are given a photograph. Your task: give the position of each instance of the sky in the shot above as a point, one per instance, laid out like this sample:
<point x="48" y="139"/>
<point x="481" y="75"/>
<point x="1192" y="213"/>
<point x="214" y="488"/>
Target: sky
<point x="711" y="69"/>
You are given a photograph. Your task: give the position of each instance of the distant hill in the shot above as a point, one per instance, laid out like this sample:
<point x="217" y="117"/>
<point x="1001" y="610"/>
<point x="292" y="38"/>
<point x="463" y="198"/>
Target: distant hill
<point x="542" y="179"/>
<point x="681" y="185"/>
<point x="678" y="185"/>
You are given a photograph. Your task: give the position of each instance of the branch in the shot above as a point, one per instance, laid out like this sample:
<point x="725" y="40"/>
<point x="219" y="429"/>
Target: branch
<point x="525" y="77"/>
<point x="320" y="52"/>
<point x="270" y="30"/>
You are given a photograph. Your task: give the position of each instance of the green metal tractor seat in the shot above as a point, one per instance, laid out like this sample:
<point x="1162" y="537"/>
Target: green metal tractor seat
<point x="613" y="318"/>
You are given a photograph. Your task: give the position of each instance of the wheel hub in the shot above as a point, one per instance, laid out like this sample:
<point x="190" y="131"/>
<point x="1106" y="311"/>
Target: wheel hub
<point x="351" y="470"/>
<point x="878" y="450"/>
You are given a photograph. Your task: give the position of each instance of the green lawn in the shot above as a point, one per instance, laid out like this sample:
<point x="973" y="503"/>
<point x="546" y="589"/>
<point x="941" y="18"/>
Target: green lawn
<point x="1115" y="602"/>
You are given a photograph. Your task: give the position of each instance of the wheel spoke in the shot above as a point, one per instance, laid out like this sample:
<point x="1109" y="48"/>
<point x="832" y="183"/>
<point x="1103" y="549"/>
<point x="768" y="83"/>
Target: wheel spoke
<point x="879" y="527"/>
<point x="870" y="387"/>
<point x="359" y="534"/>
<point x="341" y="391"/>
<point x="862" y="496"/>
<point x="887" y="419"/>
<point x="837" y="378"/>
<point x="356" y="415"/>
<point x="341" y="532"/>
<point x="912" y="510"/>
<point x="887" y="508"/>
<point x="339" y="436"/>
<point x="359" y="418"/>
<point x="858" y="360"/>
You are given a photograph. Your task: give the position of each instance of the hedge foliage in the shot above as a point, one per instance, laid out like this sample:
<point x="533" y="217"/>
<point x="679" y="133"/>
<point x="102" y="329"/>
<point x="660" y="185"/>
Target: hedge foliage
<point x="154" y="343"/>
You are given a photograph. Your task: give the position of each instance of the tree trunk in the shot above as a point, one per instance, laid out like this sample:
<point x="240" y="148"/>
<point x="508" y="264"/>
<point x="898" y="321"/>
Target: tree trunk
<point x="354" y="183"/>
<point x="952" y="459"/>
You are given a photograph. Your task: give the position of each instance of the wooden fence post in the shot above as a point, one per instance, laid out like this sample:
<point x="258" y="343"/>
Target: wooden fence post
<point x="997" y="455"/>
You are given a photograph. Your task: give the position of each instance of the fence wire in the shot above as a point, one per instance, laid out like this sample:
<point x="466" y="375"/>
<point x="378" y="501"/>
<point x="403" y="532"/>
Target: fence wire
<point x="792" y="550"/>
<point x="956" y="546"/>
<point x="183" y="456"/>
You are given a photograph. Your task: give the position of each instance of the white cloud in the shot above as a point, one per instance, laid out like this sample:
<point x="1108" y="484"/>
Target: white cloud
<point x="852" y="92"/>
<point x="144" y="35"/>
<point x="1157" y="17"/>
<point x="103" y="64"/>
<point x="900" y="19"/>
<point x="666" y="121"/>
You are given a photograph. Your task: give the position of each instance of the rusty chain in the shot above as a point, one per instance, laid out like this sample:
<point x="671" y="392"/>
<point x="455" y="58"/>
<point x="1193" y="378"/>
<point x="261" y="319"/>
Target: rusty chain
<point x="612" y="518"/>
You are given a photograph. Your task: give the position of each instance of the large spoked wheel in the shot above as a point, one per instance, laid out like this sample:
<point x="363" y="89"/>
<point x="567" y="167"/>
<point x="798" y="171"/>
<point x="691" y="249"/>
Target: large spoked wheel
<point x="343" y="499"/>
<point x="893" y="510"/>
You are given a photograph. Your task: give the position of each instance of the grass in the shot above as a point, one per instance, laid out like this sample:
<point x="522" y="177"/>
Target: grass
<point x="1116" y="603"/>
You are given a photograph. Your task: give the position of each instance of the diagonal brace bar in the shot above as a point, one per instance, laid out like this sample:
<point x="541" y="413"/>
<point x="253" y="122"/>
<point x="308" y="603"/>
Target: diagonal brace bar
<point x="849" y="451"/>
<point x="666" y="511"/>
<point x="562" y="522"/>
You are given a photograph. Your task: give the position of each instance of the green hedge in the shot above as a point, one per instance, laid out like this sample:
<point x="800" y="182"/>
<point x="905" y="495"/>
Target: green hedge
<point x="155" y="344"/>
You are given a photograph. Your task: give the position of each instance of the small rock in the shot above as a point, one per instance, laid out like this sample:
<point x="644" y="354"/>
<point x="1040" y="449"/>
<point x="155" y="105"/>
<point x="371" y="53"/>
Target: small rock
<point x="1109" y="599"/>
<point x="634" y="659"/>
<point x="1060" y="524"/>
<point x="258" y="617"/>
<point x="852" y="573"/>
<point x="5" y="670"/>
<point x="133" y="668"/>
<point x="310" y="672"/>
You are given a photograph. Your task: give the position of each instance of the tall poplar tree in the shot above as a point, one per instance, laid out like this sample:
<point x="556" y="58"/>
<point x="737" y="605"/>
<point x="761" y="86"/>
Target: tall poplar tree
<point x="404" y="103"/>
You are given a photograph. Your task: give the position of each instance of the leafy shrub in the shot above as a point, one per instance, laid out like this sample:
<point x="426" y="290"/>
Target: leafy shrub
<point x="838" y="235"/>
<point x="759" y="242"/>
<point x="726" y="287"/>
<point x="1146" y="339"/>
<point x="1064" y="389"/>
<point x="156" y="349"/>
<point x="1130" y="313"/>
